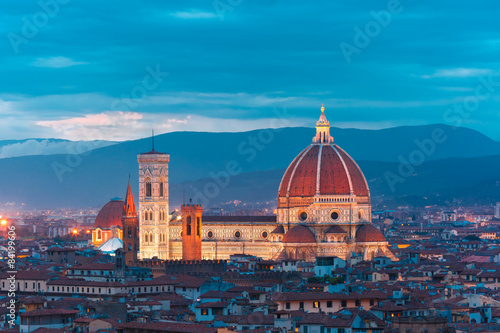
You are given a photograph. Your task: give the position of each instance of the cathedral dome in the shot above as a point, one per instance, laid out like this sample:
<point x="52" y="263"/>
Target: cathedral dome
<point x="369" y="233"/>
<point x="299" y="234"/>
<point x="111" y="214"/>
<point x="323" y="168"/>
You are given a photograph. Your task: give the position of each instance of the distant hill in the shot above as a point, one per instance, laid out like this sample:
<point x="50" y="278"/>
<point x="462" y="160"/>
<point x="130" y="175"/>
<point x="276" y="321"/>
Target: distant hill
<point x="471" y="180"/>
<point x="94" y="177"/>
<point x="15" y="148"/>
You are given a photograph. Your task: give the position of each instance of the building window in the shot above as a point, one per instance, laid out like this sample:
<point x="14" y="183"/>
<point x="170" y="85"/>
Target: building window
<point x="198" y="226"/>
<point x="301" y="305"/>
<point x="316" y="304"/>
<point x="237" y="234"/>
<point x="357" y="302"/>
<point x="188" y="226"/>
<point x="264" y="234"/>
<point x="210" y="234"/>
<point x="343" y="303"/>
<point x="329" y="304"/>
<point x="151" y="215"/>
<point x="161" y="189"/>
<point x="302" y="216"/>
<point x="334" y="215"/>
<point x="204" y="312"/>
<point x="148" y="189"/>
<point x="287" y="305"/>
<point x="372" y="302"/>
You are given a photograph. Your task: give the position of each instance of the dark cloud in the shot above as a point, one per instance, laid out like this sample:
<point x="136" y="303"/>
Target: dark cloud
<point x="249" y="58"/>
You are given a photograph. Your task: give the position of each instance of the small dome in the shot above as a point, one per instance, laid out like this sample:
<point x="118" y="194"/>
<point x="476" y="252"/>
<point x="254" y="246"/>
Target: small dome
<point x="369" y="233"/>
<point x="109" y="215"/>
<point x="299" y="234"/>
<point x="278" y="230"/>
<point x="335" y="229"/>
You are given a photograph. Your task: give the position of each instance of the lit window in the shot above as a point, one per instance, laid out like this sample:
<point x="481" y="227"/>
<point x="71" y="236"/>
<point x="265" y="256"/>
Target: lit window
<point x="316" y="304"/>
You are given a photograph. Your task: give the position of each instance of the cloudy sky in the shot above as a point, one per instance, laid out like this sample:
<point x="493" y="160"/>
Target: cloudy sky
<point x="112" y="70"/>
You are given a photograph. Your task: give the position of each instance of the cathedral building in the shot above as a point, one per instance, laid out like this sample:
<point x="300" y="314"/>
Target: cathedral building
<point x="323" y="209"/>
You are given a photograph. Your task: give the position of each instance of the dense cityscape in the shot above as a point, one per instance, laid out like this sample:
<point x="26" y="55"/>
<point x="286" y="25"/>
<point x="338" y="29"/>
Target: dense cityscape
<point x="237" y="166"/>
<point x="321" y="260"/>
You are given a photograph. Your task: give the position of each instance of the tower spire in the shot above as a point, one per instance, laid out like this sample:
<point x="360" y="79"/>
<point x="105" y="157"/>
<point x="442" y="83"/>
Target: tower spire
<point x="322" y="129"/>
<point x="129" y="207"/>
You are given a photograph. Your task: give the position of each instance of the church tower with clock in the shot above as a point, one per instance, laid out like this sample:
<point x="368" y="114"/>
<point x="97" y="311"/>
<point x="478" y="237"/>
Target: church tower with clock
<point x="153" y="205"/>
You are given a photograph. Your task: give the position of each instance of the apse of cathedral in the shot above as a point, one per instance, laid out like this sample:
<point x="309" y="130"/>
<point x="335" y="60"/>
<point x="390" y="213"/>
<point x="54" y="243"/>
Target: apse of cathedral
<point x="323" y="209"/>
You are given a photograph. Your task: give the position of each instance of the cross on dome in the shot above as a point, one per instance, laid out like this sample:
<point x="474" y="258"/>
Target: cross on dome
<point x="323" y="129"/>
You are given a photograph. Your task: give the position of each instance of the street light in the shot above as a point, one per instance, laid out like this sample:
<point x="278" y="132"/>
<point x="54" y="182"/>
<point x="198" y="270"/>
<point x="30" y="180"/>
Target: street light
<point x="3" y="222"/>
<point x="75" y="231"/>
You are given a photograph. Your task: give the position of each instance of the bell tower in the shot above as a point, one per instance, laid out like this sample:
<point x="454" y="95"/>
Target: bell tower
<point x="130" y="224"/>
<point x="153" y="205"/>
<point x="191" y="231"/>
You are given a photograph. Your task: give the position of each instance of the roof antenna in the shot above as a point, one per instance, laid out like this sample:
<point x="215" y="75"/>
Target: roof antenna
<point x="153" y="136"/>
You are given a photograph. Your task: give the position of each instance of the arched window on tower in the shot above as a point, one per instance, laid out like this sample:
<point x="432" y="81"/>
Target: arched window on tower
<point x="161" y="189"/>
<point x="146" y="216"/>
<point x="198" y="226"/>
<point x="188" y="229"/>
<point x="149" y="191"/>
<point x="129" y="232"/>
<point x="151" y="215"/>
<point x="99" y="234"/>
<point x="146" y="238"/>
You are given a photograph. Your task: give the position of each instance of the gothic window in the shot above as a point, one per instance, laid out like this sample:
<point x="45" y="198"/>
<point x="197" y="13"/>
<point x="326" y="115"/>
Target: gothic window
<point x="129" y="232"/>
<point x="145" y="238"/>
<point x="188" y="228"/>
<point x="198" y="226"/>
<point x="99" y="235"/>
<point x="145" y="216"/>
<point x="148" y="188"/>
<point x="151" y="215"/>
<point x="161" y="189"/>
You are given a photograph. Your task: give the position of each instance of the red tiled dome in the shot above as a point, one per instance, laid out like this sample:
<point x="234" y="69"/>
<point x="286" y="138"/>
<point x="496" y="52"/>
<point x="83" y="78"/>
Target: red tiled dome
<point x="109" y="215"/>
<point x="369" y="233"/>
<point x="335" y="173"/>
<point x="299" y="234"/>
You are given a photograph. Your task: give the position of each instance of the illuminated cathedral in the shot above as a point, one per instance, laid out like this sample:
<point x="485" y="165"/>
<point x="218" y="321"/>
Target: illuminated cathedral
<point x="323" y="209"/>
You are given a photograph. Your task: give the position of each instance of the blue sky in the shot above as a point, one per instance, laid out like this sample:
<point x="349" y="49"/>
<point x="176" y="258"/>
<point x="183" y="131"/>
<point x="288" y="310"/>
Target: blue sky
<point x="69" y="70"/>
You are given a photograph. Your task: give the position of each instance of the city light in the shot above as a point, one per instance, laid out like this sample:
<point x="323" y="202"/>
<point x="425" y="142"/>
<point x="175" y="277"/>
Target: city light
<point x="75" y="231"/>
<point x="3" y="222"/>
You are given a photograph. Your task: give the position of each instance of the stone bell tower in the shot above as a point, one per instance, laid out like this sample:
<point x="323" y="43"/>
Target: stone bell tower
<point x="191" y="231"/>
<point x="153" y="205"/>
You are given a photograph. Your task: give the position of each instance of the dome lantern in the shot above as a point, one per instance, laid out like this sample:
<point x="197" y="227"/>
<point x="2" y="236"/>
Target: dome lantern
<point x="322" y="129"/>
